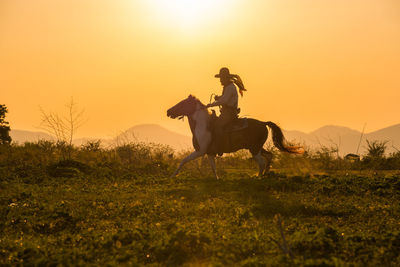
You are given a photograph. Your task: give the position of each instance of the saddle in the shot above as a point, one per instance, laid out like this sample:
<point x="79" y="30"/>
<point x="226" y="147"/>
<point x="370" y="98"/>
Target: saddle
<point x="236" y="125"/>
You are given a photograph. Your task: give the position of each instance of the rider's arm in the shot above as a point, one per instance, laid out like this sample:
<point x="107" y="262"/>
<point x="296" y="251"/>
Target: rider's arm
<point x="224" y="99"/>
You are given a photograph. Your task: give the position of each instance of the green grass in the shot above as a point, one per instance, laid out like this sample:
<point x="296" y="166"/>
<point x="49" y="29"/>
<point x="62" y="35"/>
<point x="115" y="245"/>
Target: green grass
<point x="137" y="219"/>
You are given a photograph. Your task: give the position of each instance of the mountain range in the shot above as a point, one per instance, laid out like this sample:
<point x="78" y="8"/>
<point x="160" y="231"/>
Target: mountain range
<point x="346" y="140"/>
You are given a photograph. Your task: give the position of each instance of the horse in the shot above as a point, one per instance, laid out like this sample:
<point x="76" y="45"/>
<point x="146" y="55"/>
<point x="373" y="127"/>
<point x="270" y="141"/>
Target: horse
<point x="251" y="137"/>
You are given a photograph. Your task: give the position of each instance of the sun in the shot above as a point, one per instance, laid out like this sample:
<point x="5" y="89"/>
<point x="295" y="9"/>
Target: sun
<point x="188" y="14"/>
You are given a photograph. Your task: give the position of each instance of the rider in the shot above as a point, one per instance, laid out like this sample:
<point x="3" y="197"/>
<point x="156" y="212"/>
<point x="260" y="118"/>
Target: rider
<point x="229" y="102"/>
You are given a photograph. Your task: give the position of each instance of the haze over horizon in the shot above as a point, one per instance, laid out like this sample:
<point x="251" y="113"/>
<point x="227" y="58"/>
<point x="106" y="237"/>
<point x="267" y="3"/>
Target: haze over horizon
<point x="344" y="139"/>
<point x="305" y="65"/>
<point x="186" y="130"/>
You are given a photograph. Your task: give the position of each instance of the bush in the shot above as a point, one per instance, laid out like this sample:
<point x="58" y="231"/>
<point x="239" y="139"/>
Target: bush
<point x="4" y="128"/>
<point x="375" y="159"/>
<point x="68" y="168"/>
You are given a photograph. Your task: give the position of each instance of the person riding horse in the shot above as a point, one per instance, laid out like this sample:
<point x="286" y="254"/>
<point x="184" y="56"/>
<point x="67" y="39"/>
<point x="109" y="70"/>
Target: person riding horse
<point x="228" y="102"/>
<point x="252" y="137"/>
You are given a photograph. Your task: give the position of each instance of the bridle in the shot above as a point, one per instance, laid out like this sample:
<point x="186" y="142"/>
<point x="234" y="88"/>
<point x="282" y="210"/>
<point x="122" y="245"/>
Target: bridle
<point x="182" y="117"/>
<point x="202" y="107"/>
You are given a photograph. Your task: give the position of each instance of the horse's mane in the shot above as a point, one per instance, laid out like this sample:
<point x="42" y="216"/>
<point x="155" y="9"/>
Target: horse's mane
<point x="197" y="100"/>
<point x="202" y="105"/>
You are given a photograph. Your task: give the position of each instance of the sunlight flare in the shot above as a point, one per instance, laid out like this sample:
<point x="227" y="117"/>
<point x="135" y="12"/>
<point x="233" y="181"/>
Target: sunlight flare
<point x="189" y="14"/>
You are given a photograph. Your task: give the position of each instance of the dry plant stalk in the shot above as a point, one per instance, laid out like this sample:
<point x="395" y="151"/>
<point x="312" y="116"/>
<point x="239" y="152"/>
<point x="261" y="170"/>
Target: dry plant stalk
<point x="284" y="245"/>
<point x="396" y="148"/>
<point x="63" y="128"/>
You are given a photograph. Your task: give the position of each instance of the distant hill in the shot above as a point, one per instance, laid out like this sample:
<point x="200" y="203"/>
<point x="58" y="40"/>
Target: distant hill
<point x="332" y="130"/>
<point x="20" y="136"/>
<point x="155" y="134"/>
<point x="391" y="133"/>
<point x="344" y="138"/>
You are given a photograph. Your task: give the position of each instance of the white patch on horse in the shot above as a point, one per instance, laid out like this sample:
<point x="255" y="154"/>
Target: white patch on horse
<point x="201" y="132"/>
<point x="202" y="135"/>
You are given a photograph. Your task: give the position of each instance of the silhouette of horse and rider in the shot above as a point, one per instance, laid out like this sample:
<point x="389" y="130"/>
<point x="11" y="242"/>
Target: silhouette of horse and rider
<point x="227" y="133"/>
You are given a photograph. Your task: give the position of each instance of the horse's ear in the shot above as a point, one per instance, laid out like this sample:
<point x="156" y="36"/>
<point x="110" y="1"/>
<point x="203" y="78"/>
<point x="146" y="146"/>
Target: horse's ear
<point x="190" y="96"/>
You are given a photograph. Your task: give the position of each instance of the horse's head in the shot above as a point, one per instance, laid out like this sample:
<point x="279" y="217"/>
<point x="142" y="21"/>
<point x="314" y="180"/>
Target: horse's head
<point x="184" y="108"/>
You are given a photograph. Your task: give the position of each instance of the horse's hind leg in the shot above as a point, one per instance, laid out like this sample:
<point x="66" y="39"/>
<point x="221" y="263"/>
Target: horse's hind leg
<point x="261" y="162"/>
<point x="268" y="157"/>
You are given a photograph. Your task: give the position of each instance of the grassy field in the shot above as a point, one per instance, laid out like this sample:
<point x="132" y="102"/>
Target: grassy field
<point x="104" y="216"/>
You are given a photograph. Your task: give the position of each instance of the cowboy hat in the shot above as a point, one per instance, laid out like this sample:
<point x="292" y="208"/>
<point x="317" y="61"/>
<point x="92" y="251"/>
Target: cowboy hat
<point x="223" y="72"/>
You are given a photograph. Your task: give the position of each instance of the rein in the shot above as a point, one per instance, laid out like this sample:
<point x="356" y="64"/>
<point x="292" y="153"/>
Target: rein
<point x="211" y="96"/>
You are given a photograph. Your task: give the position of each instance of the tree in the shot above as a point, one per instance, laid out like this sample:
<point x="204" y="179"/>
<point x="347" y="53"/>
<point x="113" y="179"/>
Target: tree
<point x="5" y="137"/>
<point x="63" y="127"/>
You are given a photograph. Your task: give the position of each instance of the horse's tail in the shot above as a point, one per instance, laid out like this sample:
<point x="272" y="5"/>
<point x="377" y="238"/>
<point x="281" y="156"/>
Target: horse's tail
<point x="278" y="139"/>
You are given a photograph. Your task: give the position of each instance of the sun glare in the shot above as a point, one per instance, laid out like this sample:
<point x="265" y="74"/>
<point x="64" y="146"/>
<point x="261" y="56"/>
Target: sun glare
<point x="189" y="14"/>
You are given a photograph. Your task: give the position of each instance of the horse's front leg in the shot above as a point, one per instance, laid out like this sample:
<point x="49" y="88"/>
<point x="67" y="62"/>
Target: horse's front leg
<point x="192" y="156"/>
<point x="211" y="158"/>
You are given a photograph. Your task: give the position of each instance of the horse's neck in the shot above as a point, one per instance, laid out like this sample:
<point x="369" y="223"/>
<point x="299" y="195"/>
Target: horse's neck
<point x="199" y="120"/>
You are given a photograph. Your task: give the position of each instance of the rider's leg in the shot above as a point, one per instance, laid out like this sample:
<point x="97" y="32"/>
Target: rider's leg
<point x="224" y="119"/>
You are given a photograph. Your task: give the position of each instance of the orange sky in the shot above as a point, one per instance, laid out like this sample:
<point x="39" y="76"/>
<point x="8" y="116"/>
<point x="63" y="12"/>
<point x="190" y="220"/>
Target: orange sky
<point x="305" y="63"/>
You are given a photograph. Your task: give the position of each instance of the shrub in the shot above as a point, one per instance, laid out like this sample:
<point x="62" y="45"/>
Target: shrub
<point x="375" y="158"/>
<point x="4" y="128"/>
<point x="92" y="146"/>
